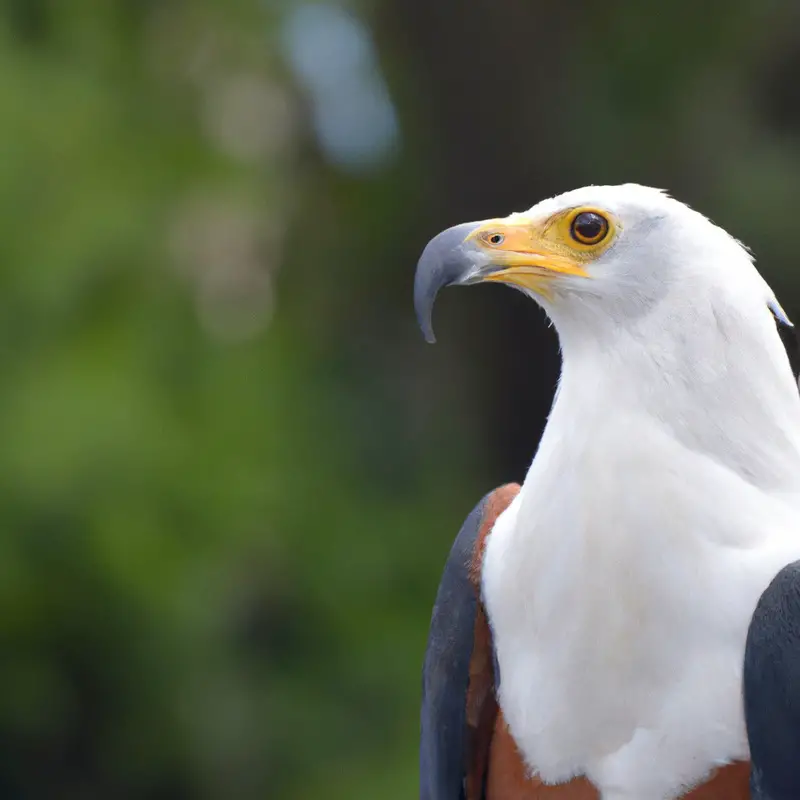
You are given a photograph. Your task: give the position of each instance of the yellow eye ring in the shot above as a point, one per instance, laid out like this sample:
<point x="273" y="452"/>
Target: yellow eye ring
<point x="589" y="227"/>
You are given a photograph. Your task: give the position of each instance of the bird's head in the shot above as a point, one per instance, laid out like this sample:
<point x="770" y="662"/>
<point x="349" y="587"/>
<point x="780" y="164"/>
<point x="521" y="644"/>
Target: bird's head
<point x="604" y="253"/>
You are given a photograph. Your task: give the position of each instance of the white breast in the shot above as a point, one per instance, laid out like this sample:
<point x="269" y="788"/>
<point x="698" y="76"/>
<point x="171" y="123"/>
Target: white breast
<point x="620" y="584"/>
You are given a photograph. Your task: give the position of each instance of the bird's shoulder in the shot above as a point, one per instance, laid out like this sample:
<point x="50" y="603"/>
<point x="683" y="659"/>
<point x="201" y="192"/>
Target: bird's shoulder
<point x="459" y="709"/>
<point x="467" y="752"/>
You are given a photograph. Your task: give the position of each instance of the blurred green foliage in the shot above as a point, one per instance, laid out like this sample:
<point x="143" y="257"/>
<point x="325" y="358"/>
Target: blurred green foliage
<point x="192" y="550"/>
<point x="229" y="472"/>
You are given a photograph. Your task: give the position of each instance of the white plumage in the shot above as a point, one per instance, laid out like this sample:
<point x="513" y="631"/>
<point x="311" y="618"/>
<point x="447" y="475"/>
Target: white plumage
<point x="664" y="496"/>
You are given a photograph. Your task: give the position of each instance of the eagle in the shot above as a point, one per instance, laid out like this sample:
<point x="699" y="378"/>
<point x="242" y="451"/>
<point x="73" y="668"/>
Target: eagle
<point x="625" y="624"/>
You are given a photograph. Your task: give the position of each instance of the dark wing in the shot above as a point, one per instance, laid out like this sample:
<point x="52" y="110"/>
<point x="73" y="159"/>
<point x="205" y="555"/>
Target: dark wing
<point x="458" y="706"/>
<point x="772" y="689"/>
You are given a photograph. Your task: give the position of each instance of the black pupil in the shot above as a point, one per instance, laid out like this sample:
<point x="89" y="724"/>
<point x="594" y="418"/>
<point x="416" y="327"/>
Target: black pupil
<point x="589" y="225"/>
<point x="495" y="238"/>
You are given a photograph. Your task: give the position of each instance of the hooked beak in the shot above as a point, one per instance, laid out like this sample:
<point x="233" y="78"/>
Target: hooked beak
<point x="510" y="250"/>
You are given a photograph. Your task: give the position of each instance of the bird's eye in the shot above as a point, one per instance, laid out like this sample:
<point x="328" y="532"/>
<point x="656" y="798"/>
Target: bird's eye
<point x="495" y="238"/>
<point x="589" y="228"/>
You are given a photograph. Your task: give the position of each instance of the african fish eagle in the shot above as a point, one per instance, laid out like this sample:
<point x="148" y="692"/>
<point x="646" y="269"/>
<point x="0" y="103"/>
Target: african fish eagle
<point x="589" y="633"/>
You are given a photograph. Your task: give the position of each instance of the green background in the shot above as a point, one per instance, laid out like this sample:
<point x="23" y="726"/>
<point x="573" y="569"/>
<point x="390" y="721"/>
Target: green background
<point x="230" y="469"/>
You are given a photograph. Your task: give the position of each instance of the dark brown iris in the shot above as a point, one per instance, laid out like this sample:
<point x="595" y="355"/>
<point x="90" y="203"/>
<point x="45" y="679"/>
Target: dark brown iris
<point x="589" y="228"/>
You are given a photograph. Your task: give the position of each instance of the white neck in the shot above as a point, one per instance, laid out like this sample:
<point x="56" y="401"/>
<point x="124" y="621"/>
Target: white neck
<point x="716" y="383"/>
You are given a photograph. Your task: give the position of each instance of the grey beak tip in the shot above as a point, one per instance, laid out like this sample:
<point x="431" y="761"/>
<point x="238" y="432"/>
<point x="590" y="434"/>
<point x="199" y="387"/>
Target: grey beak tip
<point x="423" y="302"/>
<point x="443" y="262"/>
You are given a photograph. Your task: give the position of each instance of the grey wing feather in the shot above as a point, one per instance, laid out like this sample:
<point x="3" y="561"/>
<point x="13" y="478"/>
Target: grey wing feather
<point x="772" y="689"/>
<point x="444" y="738"/>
